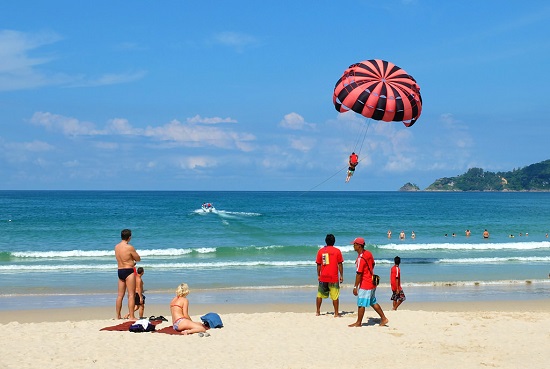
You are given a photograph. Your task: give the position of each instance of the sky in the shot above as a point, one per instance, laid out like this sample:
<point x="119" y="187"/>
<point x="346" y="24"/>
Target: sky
<point x="237" y="95"/>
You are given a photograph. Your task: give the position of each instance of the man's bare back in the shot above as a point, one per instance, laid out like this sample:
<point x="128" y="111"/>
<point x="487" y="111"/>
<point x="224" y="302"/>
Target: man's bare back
<point x="126" y="255"/>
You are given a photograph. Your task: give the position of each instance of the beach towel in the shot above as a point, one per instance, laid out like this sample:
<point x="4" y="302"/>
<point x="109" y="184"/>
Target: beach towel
<point x="125" y="326"/>
<point x="167" y="330"/>
<point x="119" y="327"/>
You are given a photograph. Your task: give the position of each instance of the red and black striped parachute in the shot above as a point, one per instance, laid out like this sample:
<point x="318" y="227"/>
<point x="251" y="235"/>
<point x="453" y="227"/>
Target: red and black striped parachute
<point x="379" y="90"/>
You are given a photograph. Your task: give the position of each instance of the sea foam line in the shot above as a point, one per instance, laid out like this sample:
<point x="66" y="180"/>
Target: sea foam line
<point x="162" y="265"/>
<point x="467" y="246"/>
<point x="108" y="253"/>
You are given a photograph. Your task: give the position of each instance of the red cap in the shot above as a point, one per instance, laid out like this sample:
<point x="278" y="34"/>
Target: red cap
<point x="359" y="241"/>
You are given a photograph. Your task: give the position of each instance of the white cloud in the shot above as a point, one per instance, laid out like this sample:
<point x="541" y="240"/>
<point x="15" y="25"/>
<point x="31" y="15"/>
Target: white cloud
<point x="107" y="145"/>
<point x="196" y="162"/>
<point x="33" y="146"/>
<point x="120" y="126"/>
<point x="67" y="125"/>
<point x="399" y="163"/>
<point x="457" y="132"/>
<point x="71" y="164"/>
<point x="235" y="40"/>
<point x="188" y="134"/>
<point x="107" y="79"/>
<point x="214" y="120"/>
<point x="303" y="144"/>
<point x="295" y="121"/>
<point x="19" y="70"/>
<point x="193" y="135"/>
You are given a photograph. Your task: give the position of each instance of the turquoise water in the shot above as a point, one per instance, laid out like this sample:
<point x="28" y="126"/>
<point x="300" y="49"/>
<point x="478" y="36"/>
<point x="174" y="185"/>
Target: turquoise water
<point x="59" y="244"/>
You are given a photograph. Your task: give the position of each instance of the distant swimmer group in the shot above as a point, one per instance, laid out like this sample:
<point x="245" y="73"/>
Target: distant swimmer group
<point x="485" y="234"/>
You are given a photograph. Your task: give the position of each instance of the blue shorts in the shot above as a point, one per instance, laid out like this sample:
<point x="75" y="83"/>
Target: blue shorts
<point x="326" y="289"/>
<point x="366" y="298"/>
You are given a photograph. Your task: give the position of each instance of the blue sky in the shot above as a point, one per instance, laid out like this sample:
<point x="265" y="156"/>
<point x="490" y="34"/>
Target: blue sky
<point x="237" y="95"/>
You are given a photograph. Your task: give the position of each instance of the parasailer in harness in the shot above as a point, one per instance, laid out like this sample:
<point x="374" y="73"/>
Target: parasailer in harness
<point x="353" y="161"/>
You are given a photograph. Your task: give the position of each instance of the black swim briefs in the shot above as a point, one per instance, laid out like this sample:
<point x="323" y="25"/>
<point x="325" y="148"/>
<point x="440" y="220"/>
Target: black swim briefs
<point x="124" y="273"/>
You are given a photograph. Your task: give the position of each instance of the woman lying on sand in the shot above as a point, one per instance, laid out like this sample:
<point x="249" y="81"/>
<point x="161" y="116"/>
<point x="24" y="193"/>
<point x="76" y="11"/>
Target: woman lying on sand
<point x="179" y="308"/>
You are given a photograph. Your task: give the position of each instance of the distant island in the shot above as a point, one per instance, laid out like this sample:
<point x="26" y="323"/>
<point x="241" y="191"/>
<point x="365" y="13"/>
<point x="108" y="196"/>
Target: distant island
<point x="409" y="187"/>
<point x="534" y="177"/>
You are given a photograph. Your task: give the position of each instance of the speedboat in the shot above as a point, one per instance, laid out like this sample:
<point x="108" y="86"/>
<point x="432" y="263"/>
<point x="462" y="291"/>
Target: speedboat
<point x="207" y="207"/>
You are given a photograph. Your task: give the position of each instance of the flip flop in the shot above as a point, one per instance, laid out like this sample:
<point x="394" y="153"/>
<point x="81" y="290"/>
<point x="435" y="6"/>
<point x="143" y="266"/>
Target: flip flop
<point x="160" y="317"/>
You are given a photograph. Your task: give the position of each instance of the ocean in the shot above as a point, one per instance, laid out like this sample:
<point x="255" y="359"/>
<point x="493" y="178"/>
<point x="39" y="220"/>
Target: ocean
<point x="56" y="247"/>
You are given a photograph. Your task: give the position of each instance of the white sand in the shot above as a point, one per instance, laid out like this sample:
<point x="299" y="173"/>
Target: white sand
<point x="452" y="335"/>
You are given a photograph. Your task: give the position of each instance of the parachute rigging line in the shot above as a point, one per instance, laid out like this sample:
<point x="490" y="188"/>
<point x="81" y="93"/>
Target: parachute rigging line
<point x="361" y="140"/>
<point x="326" y="180"/>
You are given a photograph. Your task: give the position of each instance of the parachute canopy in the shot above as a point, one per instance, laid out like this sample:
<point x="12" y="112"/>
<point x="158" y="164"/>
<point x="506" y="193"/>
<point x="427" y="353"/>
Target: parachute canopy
<point x="379" y="90"/>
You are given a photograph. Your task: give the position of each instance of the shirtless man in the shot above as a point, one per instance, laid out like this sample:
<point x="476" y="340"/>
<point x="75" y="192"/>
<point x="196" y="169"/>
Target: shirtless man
<point x="126" y="257"/>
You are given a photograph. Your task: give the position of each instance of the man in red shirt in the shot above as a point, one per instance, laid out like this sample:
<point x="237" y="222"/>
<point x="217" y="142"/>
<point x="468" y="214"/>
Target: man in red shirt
<point x="329" y="265"/>
<point x="353" y="161"/>
<point x="364" y="288"/>
<point x="398" y="296"/>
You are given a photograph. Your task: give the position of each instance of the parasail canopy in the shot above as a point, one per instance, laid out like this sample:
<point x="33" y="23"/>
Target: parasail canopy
<point x="379" y="90"/>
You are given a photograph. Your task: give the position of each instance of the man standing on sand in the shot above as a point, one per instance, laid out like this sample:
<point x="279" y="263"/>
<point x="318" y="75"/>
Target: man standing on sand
<point x="364" y="288"/>
<point x="329" y="265"/>
<point x="126" y="257"/>
<point x="398" y="296"/>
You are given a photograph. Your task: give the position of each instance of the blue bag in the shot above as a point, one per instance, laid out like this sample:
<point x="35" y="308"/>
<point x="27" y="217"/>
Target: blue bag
<point x="212" y="320"/>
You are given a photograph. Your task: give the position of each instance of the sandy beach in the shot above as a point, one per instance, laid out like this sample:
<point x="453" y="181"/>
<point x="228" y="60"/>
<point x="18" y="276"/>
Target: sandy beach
<point x="496" y="334"/>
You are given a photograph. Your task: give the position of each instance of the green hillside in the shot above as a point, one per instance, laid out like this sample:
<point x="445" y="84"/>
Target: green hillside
<point x="534" y="177"/>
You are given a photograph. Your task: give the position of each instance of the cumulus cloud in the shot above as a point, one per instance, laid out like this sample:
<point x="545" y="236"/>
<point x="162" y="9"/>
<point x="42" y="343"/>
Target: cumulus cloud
<point x="295" y="121"/>
<point x="196" y="135"/>
<point x="175" y="132"/>
<point x="67" y="125"/>
<point x="120" y="126"/>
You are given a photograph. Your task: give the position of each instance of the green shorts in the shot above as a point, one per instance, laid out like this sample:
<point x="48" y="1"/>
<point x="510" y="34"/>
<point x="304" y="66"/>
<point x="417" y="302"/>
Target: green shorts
<point x="328" y="289"/>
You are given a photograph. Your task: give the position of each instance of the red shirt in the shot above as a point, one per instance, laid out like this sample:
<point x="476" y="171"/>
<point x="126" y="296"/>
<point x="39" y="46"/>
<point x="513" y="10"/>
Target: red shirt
<point x="395" y="278"/>
<point x="328" y="258"/>
<point x="353" y="159"/>
<point x="365" y="265"/>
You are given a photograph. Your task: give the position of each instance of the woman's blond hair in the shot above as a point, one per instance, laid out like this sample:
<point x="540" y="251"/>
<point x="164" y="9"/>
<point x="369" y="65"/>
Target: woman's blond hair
<point x="182" y="290"/>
